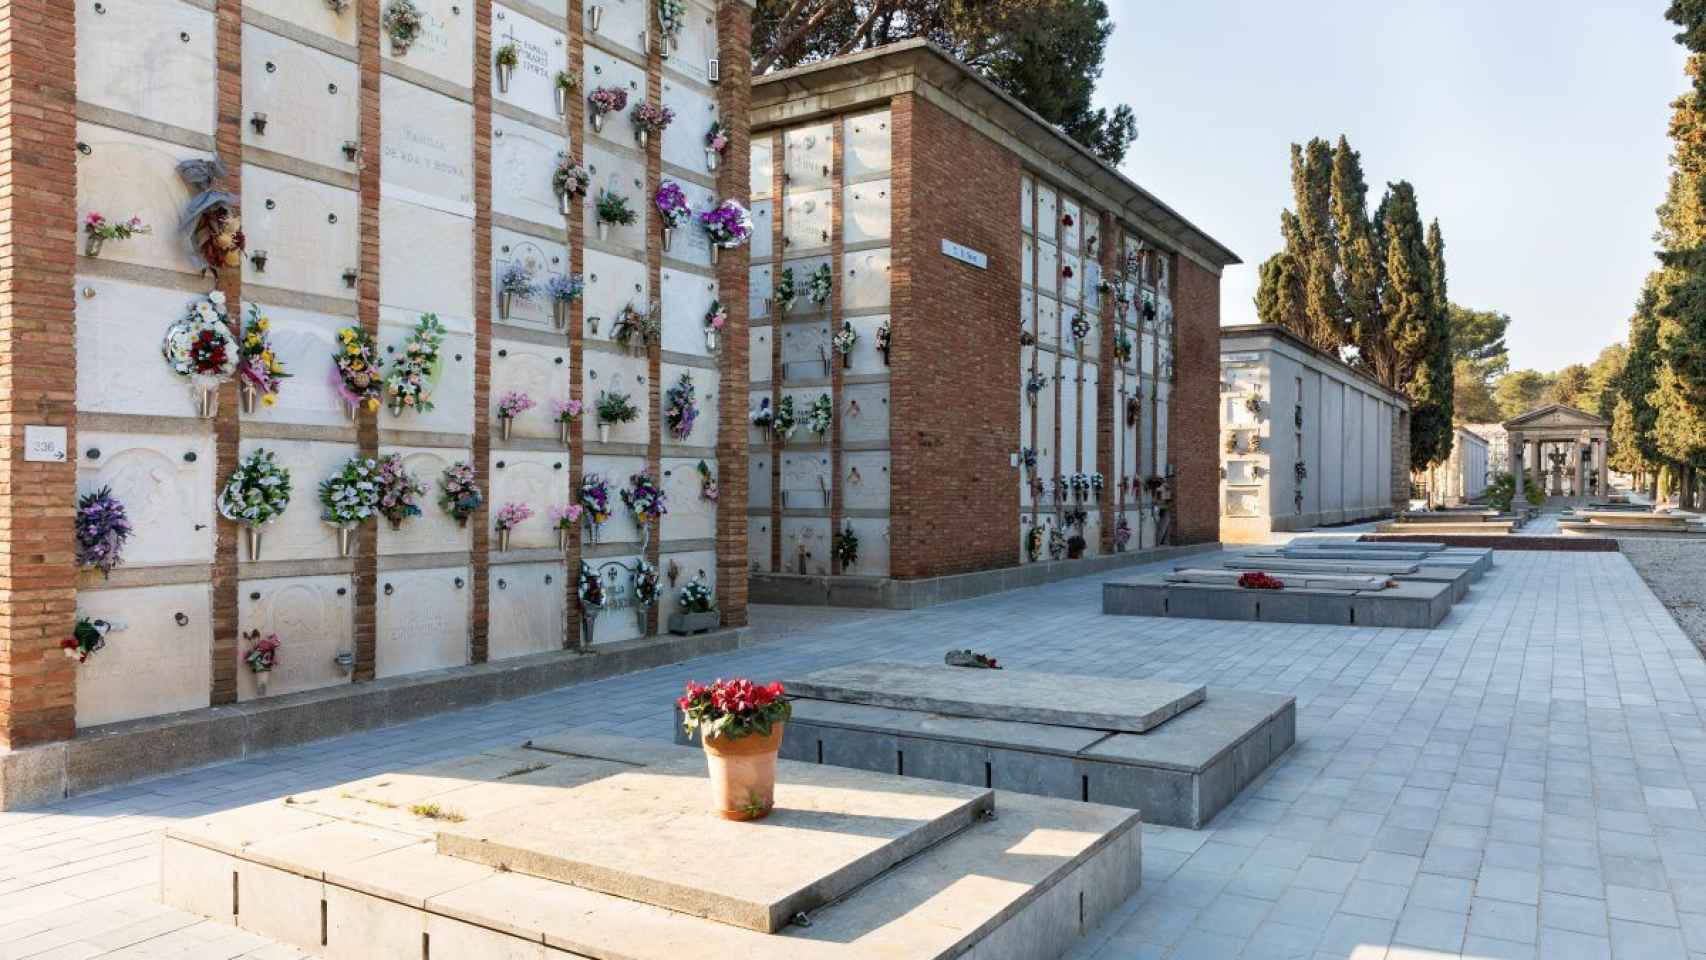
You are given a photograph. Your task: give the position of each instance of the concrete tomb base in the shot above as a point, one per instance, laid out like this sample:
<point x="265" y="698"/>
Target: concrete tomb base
<point x="1411" y="603"/>
<point x="1458" y="577"/>
<point x="1180" y="771"/>
<point x="591" y="846"/>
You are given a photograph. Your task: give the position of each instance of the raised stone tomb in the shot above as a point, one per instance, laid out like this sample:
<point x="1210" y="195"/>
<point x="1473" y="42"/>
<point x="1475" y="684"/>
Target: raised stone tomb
<point x="893" y="867"/>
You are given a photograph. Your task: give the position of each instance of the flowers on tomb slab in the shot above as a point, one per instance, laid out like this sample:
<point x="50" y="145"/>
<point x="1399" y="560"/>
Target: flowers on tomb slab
<point x="707" y="483"/>
<point x="591" y="588"/>
<point x="681" y="407"/>
<point x="398" y="489"/>
<point x="613" y="210"/>
<point x="514" y="403"/>
<point x="565" y="516"/>
<point x="1123" y="346"/>
<point x="1122" y="533"/>
<point x="671" y="202"/>
<point x="103" y="526"/>
<point x="696" y="596"/>
<point x="1028" y="457"/>
<point x="1098" y="483"/>
<point x="717" y="138"/>
<point x="844" y="546"/>
<point x="359" y="382"/>
<point x="262" y="653"/>
<point x="87" y="636"/>
<point x="786" y="421"/>
<point x="257" y="492"/>
<point x="1035" y="382"/>
<point x="645" y="584"/>
<point x="764" y="418"/>
<point x="716" y="319"/>
<point x="784" y="293"/>
<point x="508" y="55"/>
<point x="403" y="22"/>
<point x="1258" y="580"/>
<point x="616" y="407"/>
<point x="972" y="659"/>
<point x="517" y="281"/>
<point x="258" y="367"/>
<point x="460" y="494"/>
<point x="413" y="373"/>
<point x="845" y="339"/>
<point x="512" y="515"/>
<point x="595" y="498"/>
<point x="733" y="708"/>
<point x="649" y="118"/>
<point x="97" y="230"/>
<point x="672" y="15"/>
<point x="821" y="415"/>
<point x="350" y="497"/>
<point x="1034" y="543"/>
<point x="210" y="218"/>
<point x="637" y="328"/>
<point x="605" y="100"/>
<point x="644" y="499"/>
<point x="566" y="411"/>
<point x="728" y="224"/>
<point x="1080" y="327"/>
<point x="570" y="179"/>
<point x="884" y="339"/>
<point x="821" y="285"/>
<point x="565" y="287"/>
<point x="199" y="347"/>
<point x="1056" y="543"/>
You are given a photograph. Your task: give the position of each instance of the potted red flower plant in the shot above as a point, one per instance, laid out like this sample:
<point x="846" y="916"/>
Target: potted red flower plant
<point x="740" y="725"/>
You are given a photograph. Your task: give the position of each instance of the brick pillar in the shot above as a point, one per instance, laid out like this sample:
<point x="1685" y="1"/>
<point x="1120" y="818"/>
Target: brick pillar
<point x="365" y="579"/>
<point x="575" y="118"/>
<point x="734" y="95"/>
<point x="654" y="270"/>
<point x="479" y="600"/>
<point x="907" y="364"/>
<point x="227" y="427"/>
<point x="38" y="577"/>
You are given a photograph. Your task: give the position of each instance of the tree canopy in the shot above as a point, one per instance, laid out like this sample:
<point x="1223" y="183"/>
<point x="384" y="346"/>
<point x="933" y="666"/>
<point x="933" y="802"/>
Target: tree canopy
<point x="1047" y="53"/>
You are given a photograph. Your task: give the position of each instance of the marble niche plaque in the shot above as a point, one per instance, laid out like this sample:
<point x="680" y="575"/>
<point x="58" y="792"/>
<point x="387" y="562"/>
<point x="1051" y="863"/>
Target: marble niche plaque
<point x="158" y="655"/>
<point x="1027" y="203"/>
<point x="428" y="152"/>
<point x="805" y="546"/>
<point x="687" y="564"/>
<point x="166" y="484"/>
<point x="605" y="70"/>
<point x="452" y="393"/>
<point x="307" y="228"/>
<point x="612" y="282"/>
<point x="805" y="349"/>
<point x="758" y="490"/>
<point x="806" y="219"/>
<point x="1087" y="423"/>
<point x="543" y="53"/>
<point x="311" y="100"/>
<point x="434" y="531"/>
<point x="806" y="157"/>
<point x="695" y="111"/>
<point x="317" y="18"/>
<point x="867" y="217"/>
<point x="873" y="559"/>
<point x="758" y="543"/>
<point x="865" y="279"/>
<point x="763" y="236"/>
<point x="621" y="24"/>
<point x="756" y="438"/>
<point x="624" y="176"/>
<point x="528" y="609"/>
<point x="1069" y="394"/>
<point x="686" y="299"/>
<point x="304" y="343"/>
<point x="807" y="483"/>
<point x="760" y="281"/>
<point x="538" y="479"/>
<point x="421" y="621"/>
<point x="707" y="389"/>
<point x="763" y="178"/>
<point x="620" y="528"/>
<point x="865" y="479"/>
<point x="539" y="371"/>
<point x="867" y="359"/>
<point x="758" y="343"/>
<point x="120" y="327"/>
<point x="150" y="60"/>
<point x="864" y="412"/>
<point x="690" y="516"/>
<point x="523" y="160"/>
<point x="313" y="619"/>
<point x="615" y="624"/>
<point x="866" y="147"/>
<point x="445" y="47"/>
<point x="692" y="244"/>
<point x="622" y="373"/>
<point x="803" y="398"/>
<point x="695" y="45"/>
<point x="124" y="175"/>
<point x="426" y="260"/>
<point x="541" y="258"/>
<point x="299" y="533"/>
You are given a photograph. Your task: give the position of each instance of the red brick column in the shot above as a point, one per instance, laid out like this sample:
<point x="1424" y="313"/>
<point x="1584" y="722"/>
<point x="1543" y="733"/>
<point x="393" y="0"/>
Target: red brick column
<point x="227" y="427"/>
<point x="1107" y="451"/>
<point x="1193" y="411"/>
<point x="479" y="599"/>
<point x="654" y="273"/>
<point x="734" y="95"/>
<point x="38" y="341"/>
<point x="575" y="117"/>
<point x="366" y="576"/>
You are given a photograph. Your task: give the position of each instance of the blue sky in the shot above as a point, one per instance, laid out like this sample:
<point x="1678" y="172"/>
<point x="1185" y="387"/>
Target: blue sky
<point x="1534" y="131"/>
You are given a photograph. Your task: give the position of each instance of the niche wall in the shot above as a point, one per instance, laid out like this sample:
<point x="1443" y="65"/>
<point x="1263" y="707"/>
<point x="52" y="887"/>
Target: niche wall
<point x="370" y="211"/>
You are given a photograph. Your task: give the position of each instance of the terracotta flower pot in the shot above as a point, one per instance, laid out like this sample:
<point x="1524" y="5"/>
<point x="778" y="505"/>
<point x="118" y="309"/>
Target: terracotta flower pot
<point x="743" y="774"/>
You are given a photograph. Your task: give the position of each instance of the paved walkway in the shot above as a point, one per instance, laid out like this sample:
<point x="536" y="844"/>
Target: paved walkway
<point x="1524" y="781"/>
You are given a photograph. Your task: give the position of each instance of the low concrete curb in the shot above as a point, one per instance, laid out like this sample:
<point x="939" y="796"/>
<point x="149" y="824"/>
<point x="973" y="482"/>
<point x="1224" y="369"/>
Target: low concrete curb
<point x="1509" y="542"/>
<point x="884" y="593"/>
<point x="120" y="753"/>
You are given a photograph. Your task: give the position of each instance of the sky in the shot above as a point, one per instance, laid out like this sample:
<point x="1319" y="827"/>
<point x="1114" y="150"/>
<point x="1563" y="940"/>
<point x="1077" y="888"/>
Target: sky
<point x="1534" y="131"/>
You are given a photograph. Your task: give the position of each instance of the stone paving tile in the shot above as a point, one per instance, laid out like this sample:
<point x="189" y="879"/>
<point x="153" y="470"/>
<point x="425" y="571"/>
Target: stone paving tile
<point x="1515" y="779"/>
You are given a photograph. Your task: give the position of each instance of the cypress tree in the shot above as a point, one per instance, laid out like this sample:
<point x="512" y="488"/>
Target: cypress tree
<point x="1679" y="392"/>
<point x="1401" y="343"/>
<point x="1359" y="256"/>
<point x="1434" y="393"/>
<point x="1298" y="287"/>
<point x="1635" y="418"/>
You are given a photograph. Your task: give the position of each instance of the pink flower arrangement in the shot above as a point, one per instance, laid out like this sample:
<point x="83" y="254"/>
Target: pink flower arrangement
<point x="99" y="227"/>
<point x="565" y="516"/>
<point x="513" y="404"/>
<point x="566" y="411"/>
<point x="607" y="99"/>
<point x="733" y="708"/>
<point x="650" y="117"/>
<point x="511" y="514"/>
<point x="263" y="651"/>
<point x="716" y="317"/>
<point x="717" y="138"/>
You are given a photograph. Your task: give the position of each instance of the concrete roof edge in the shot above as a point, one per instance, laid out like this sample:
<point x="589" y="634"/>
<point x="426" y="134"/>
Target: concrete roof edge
<point x="1293" y="340"/>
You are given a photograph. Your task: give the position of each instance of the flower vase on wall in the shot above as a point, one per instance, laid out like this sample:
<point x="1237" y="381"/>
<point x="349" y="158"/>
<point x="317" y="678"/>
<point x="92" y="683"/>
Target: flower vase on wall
<point x="506" y="302"/>
<point x="251" y="397"/>
<point x="604" y="433"/>
<point x="503" y="539"/>
<point x="252" y="538"/>
<point x="560" y="314"/>
<point x="346" y="540"/>
<point x="505" y="424"/>
<point x="668" y="238"/>
<point x="207" y="402"/>
<point x="261" y="680"/>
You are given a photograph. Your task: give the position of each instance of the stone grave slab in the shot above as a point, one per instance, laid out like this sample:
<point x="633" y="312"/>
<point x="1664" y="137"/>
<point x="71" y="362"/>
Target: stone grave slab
<point x="1459" y="576"/>
<point x="1029" y="884"/>
<point x="832" y="831"/>
<point x="1407" y="546"/>
<point x="1300" y="579"/>
<point x="1411" y="603"/>
<point x="1070" y="700"/>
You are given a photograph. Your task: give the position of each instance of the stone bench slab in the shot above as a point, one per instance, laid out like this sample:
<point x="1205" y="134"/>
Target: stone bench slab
<point x="1100" y="703"/>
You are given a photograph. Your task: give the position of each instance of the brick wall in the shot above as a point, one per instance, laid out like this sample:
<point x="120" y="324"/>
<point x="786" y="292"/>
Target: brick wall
<point x="1401" y="459"/>
<point x="954" y="406"/>
<point x="38" y="130"/>
<point x="734" y="38"/>
<point x="1194" y="418"/>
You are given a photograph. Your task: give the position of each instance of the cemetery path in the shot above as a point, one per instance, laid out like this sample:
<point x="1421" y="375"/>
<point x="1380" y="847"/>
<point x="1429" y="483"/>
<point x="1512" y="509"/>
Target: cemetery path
<point x="1524" y="781"/>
